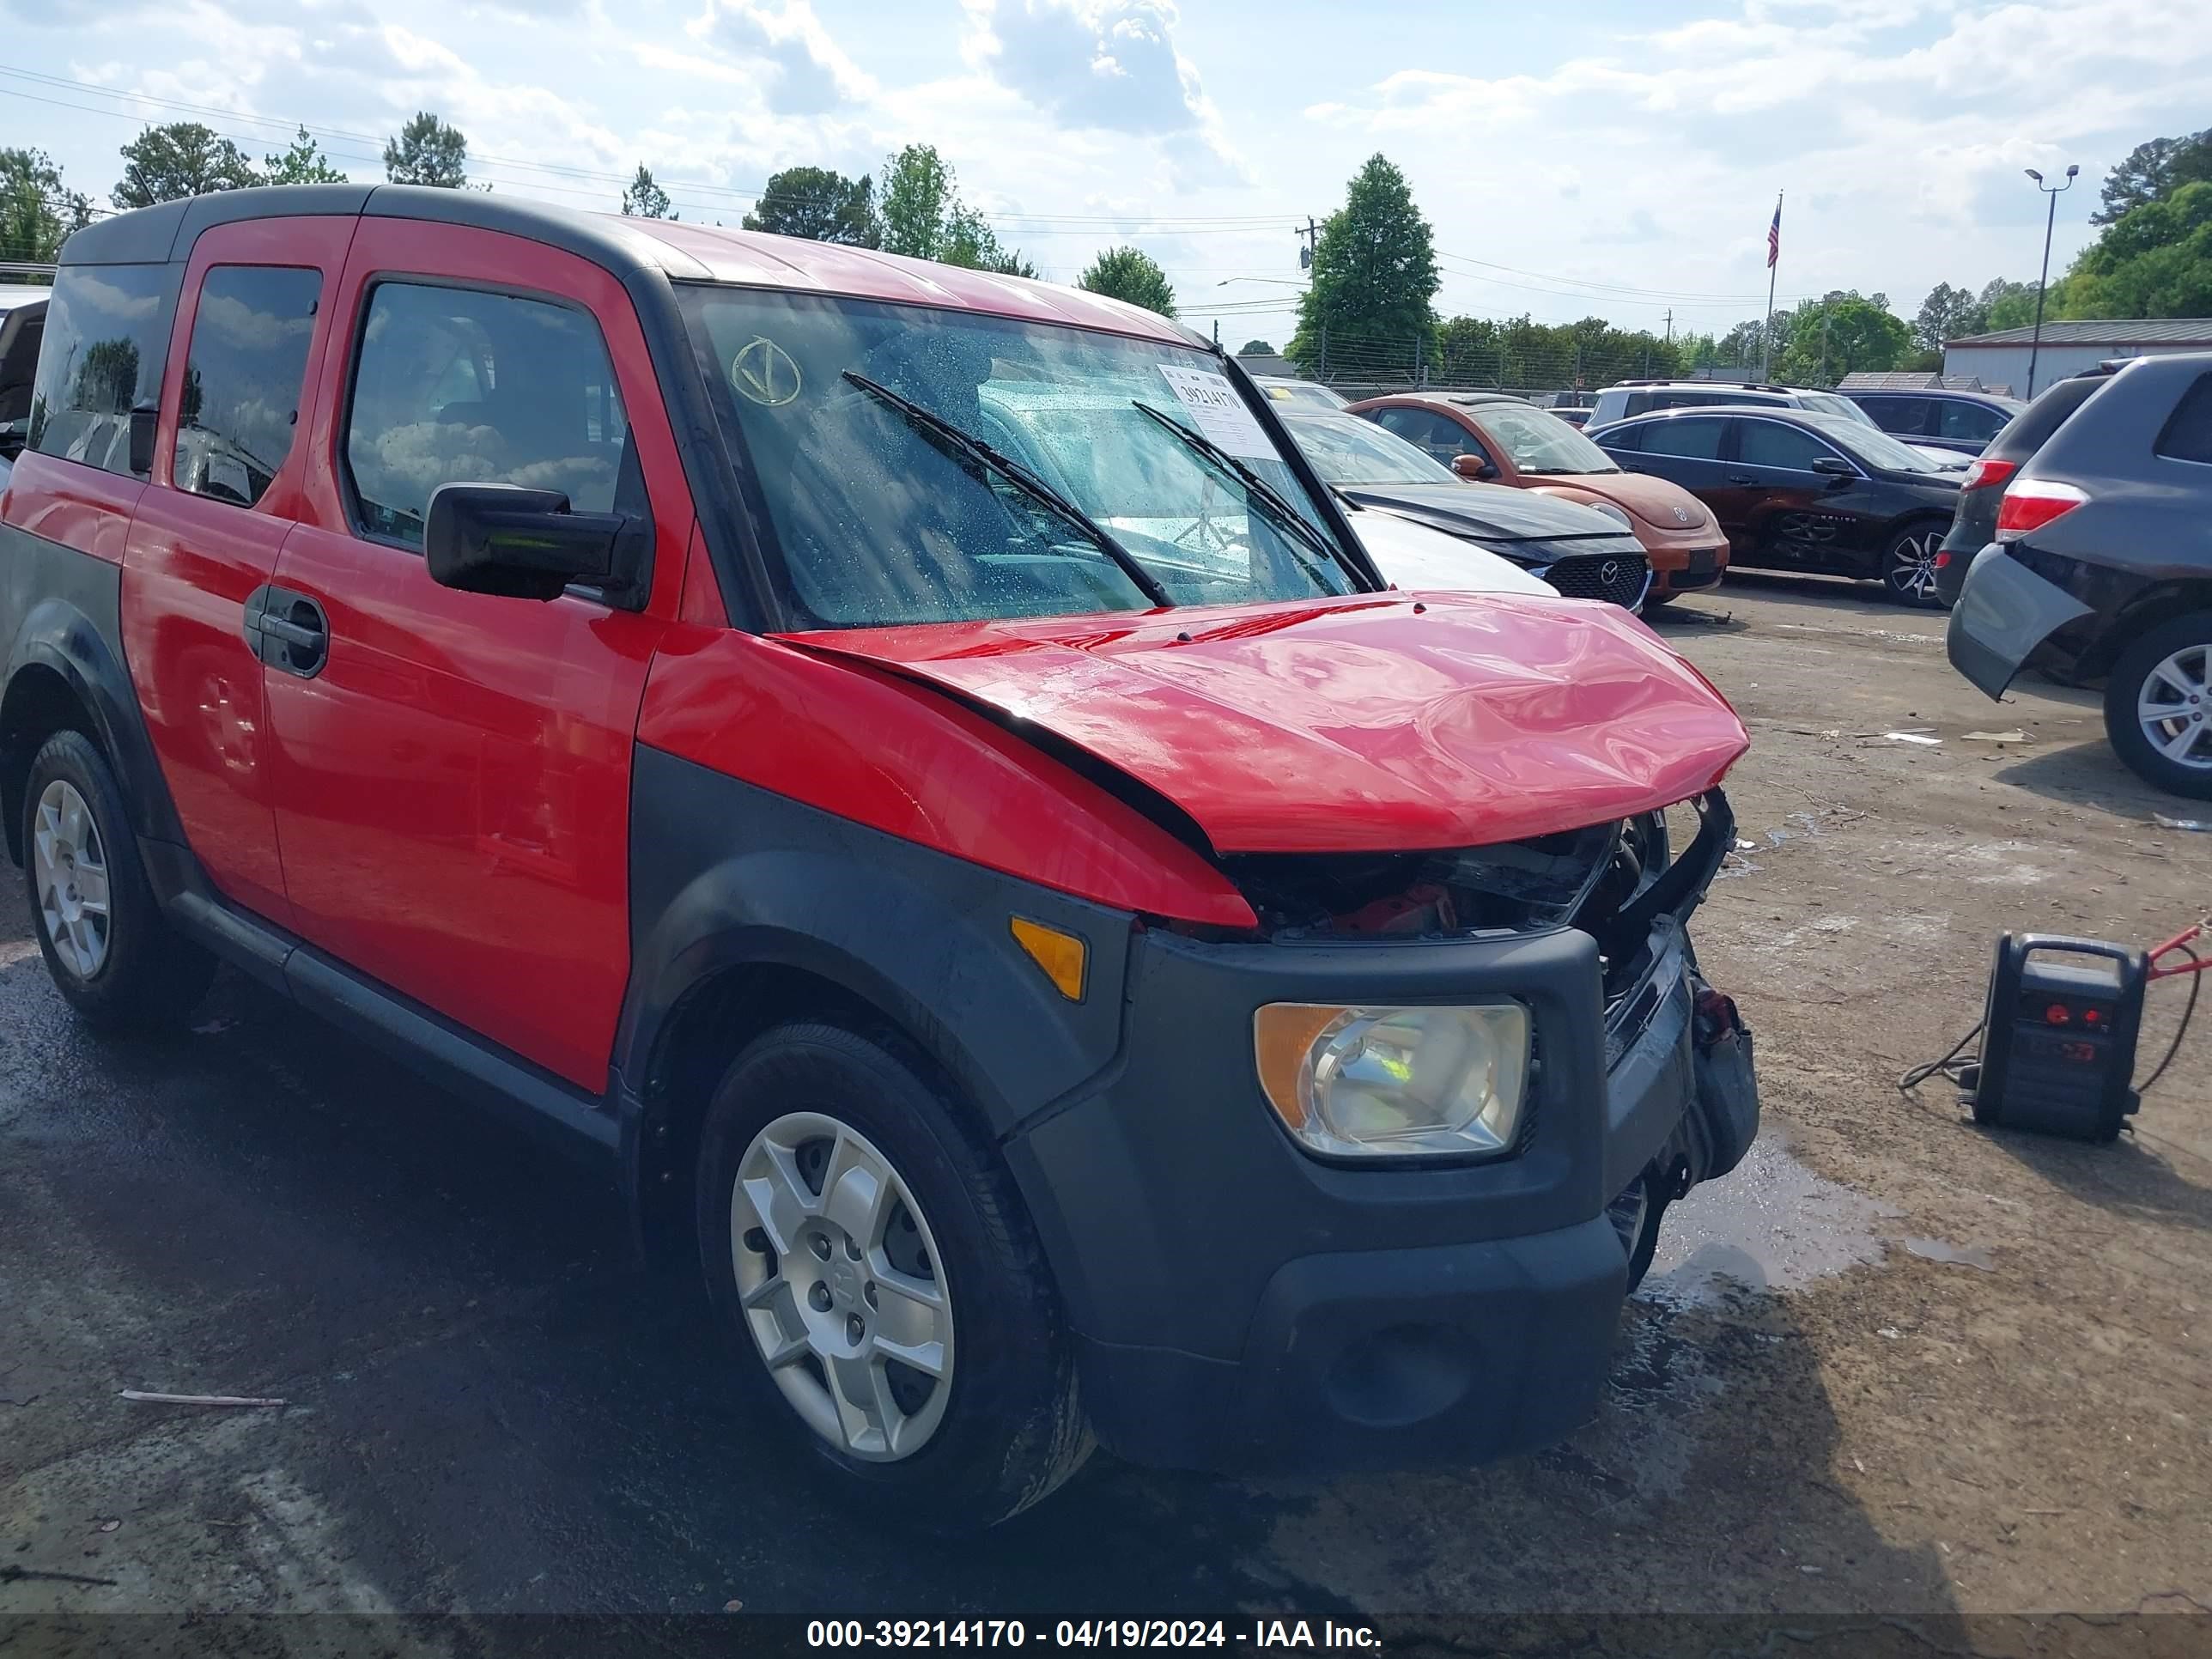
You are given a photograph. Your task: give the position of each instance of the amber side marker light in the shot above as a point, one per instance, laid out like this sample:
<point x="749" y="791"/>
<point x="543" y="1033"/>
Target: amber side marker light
<point x="1062" y="955"/>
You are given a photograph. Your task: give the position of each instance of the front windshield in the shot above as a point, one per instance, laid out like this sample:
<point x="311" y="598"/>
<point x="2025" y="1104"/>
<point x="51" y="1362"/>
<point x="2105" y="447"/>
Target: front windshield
<point x="876" y="523"/>
<point x="1827" y="402"/>
<point x="1348" y="450"/>
<point x="1872" y="445"/>
<point x="1540" y="441"/>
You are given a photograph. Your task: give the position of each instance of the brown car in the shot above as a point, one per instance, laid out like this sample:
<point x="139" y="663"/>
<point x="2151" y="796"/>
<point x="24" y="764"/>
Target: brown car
<point x="1496" y="438"/>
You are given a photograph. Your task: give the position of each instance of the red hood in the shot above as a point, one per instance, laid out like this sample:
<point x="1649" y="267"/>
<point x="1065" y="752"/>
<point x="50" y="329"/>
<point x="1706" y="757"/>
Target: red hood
<point x="1367" y="723"/>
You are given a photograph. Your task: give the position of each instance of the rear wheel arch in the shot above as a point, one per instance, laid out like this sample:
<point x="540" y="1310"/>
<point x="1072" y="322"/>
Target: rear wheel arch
<point x="2158" y="603"/>
<point x="41" y="700"/>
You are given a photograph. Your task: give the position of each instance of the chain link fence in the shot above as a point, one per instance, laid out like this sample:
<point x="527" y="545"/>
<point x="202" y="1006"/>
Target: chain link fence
<point x="1544" y="371"/>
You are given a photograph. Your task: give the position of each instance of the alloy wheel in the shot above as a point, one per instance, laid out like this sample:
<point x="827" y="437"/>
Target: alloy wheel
<point x="1912" y="564"/>
<point x="842" y="1286"/>
<point x="2174" y="704"/>
<point x="71" y="869"/>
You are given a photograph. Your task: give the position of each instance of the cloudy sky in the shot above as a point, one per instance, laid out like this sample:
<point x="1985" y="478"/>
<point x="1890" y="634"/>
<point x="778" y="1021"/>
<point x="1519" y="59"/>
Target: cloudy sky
<point x="1614" y="157"/>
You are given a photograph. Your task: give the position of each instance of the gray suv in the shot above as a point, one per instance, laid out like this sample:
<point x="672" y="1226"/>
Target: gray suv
<point x="1632" y="397"/>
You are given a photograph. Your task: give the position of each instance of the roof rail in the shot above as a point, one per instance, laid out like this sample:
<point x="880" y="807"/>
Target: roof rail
<point x="25" y="268"/>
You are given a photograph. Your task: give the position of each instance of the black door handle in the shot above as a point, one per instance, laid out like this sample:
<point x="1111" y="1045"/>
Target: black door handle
<point x="287" y="631"/>
<point x="1740" y="479"/>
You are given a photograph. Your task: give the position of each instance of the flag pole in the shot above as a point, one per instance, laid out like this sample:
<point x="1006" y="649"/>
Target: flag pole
<point x="1767" y="332"/>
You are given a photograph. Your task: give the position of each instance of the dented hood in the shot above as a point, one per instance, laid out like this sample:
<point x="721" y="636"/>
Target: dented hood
<point x="1380" y="722"/>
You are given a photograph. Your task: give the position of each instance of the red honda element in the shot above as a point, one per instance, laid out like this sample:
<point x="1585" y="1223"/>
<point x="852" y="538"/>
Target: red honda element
<point x="912" y="767"/>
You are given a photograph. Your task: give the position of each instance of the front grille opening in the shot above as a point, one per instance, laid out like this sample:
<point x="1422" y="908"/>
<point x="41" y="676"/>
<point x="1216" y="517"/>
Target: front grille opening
<point x="1578" y="878"/>
<point x="1620" y="578"/>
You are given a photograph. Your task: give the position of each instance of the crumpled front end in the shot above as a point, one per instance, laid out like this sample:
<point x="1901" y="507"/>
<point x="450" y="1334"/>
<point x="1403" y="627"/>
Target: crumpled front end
<point x="1240" y="1302"/>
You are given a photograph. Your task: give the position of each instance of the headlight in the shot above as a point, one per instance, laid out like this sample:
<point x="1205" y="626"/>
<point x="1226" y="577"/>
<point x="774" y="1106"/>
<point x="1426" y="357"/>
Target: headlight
<point x="1615" y="513"/>
<point x="1383" y="1082"/>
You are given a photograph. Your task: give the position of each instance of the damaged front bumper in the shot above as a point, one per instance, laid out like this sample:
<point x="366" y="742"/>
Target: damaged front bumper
<point x="1239" y="1303"/>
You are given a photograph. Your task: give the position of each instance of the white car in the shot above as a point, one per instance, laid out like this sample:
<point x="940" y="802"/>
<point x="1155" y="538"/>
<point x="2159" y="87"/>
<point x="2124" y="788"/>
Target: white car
<point x="1417" y="558"/>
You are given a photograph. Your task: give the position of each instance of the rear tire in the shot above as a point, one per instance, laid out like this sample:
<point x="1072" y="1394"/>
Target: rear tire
<point x="1908" y="564"/>
<point x="844" y="1210"/>
<point x="2158" y="705"/>
<point x="113" y="954"/>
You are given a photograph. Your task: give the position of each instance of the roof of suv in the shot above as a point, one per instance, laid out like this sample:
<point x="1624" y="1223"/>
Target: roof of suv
<point x="681" y="252"/>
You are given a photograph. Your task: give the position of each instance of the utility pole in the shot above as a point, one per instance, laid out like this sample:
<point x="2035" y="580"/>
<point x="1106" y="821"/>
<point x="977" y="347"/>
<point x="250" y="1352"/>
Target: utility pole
<point x="1824" y="341"/>
<point x="1312" y="235"/>
<point x="2042" y="283"/>
<point x="1670" y="326"/>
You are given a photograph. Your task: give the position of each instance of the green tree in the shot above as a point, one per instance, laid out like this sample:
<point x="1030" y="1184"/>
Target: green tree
<point x="643" y="200"/>
<point x="924" y="217"/>
<point x="304" y="163"/>
<point x="1374" y="278"/>
<point x="1841" y="333"/>
<point x="1256" y="349"/>
<point x="1131" y="273"/>
<point x="167" y="163"/>
<point x="2155" y="260"/>
<point x="36" y="210"/>
<point x="1947" y="313"/>
<point x="426" y="151"/>
<point x="820" y="204"/>
<point x="2153" y="170"/>
<point x="919" y="194"/>
<point x="2007" y="303"/>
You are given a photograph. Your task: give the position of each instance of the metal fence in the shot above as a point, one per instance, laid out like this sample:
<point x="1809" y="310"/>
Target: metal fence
<point x="1543" y="370"/>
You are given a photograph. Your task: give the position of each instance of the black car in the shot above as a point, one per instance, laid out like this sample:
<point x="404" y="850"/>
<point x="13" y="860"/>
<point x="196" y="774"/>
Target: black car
<point x="1801" y="490"/>
<point x="1585" y="552"/>
<point x="2102" y="568"/>
<point x="1962" y="421"/>
<point x="1975" y="526"/>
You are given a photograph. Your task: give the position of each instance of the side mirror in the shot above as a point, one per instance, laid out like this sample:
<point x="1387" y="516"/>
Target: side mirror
<point x="1474" y="467"/>
<point x="526" y="544"/>
<point x="143" y="419"/>
<point x="1834" y="466"/>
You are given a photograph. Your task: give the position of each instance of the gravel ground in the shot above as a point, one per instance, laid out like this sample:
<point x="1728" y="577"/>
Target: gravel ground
<point x="1895" y="1366"/>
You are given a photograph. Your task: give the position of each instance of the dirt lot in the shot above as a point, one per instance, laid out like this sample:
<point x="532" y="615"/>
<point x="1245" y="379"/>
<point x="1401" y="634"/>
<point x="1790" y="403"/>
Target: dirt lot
<point x="1896" y="1364"/>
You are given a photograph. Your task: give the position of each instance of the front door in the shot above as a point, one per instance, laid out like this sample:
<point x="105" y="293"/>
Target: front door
<point x="225" y="489"/>
<point x="1797" y="515"/>
<point x="452" y="770"/>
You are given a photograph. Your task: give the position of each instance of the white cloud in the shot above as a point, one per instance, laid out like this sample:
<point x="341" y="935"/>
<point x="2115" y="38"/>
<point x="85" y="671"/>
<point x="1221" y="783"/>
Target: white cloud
<point x="810" y="73"/>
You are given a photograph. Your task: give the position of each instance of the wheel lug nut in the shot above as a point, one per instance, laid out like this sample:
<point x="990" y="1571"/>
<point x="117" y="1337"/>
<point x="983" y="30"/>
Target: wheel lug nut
<point x="818" y="1298"/>
<point x="855" y="1329"/>
<point x="820" y="1245"/>
<point x="870" y="1292"/>
<point x="852" y="1247"/>
<point x="757" y="1241"/>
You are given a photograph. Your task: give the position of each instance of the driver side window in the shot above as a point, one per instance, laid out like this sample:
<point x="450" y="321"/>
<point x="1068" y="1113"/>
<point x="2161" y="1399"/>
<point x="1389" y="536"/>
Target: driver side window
<point x="457" y="385"/>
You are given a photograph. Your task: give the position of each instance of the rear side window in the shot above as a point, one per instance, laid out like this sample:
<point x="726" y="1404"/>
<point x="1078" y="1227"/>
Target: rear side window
<point x="1690" y="400"/>
<point x="457" y="385"/>
<point x="2188" y="434"/>
<point x="243" y="372"/>
<point x="106" y="342"/>
<point x="1626" y="437"/>
<point x="1697" y="440"/>
<point x="2032" y="428"/>
<point x="1972" y="422"/>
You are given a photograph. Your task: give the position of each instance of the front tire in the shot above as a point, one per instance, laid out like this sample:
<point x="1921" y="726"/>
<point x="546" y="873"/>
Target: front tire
<point x="2158" y="705"/>
<point x="881" y="1284"/>
<point x="1908" y="565"/>
<point x="112" y="953"/>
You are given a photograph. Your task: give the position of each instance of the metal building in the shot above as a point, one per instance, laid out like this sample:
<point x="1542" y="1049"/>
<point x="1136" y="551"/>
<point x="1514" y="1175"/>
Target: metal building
<point x="1999" y="360"/>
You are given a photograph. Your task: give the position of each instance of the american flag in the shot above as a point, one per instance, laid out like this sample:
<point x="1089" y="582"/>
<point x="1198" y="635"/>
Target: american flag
<point x="1774" y="236"/>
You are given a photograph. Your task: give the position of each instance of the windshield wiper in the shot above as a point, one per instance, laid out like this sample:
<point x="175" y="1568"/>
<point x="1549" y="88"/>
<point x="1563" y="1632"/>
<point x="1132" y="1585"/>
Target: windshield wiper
<point x="1257" y="488"/>
<point x="966" y="447"/>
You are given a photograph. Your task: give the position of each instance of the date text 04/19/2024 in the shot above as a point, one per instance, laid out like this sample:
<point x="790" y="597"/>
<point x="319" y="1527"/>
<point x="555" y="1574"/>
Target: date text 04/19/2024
<point x="1087" y="1633"/>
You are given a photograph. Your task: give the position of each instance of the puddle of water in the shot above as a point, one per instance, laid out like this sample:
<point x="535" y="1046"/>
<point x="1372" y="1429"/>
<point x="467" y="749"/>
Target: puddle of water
<point x="1769" y="1224"/>
<point x="1963" y="1255"/>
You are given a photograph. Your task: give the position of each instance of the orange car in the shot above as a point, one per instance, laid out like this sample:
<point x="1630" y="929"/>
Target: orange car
<point x="1496" y="438"/>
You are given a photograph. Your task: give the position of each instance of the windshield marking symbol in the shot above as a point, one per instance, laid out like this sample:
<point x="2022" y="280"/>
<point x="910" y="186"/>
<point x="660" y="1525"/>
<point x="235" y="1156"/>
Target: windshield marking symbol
<point x="764" y="372"/>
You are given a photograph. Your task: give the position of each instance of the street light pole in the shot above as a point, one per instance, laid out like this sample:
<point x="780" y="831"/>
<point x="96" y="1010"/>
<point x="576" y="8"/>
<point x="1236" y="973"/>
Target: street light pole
<point x="2043" y="283"/>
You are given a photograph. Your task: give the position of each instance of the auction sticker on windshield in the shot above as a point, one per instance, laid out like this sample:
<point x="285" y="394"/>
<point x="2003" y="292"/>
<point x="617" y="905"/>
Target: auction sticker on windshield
<point x="1220" y="412"/>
